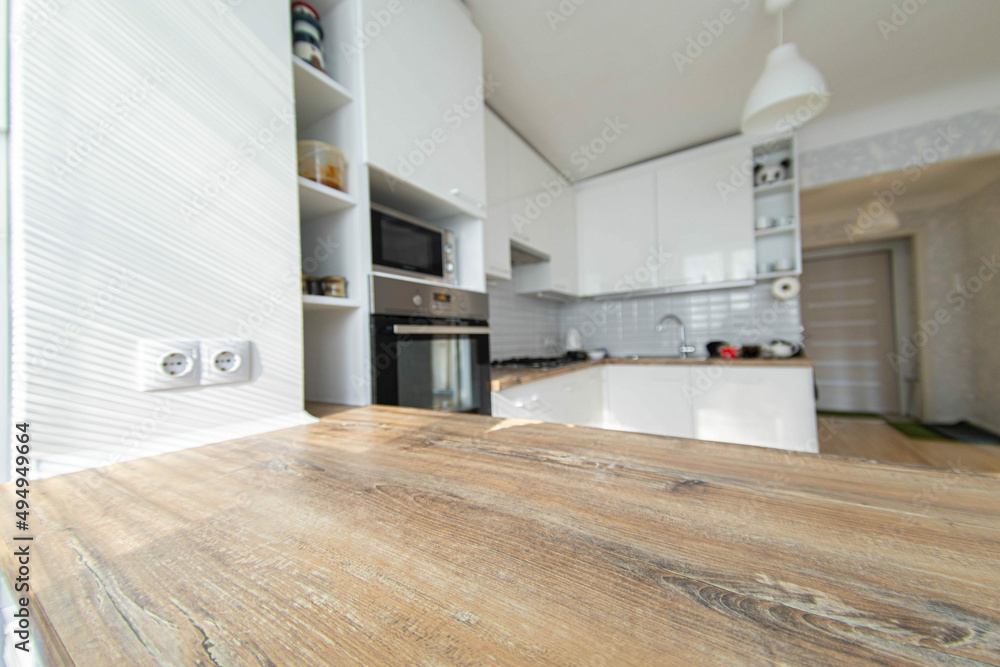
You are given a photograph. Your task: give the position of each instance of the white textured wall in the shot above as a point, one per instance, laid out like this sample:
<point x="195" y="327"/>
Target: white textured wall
<point x="142" y="208"/>
<point x="959" y="365"/>
<point x="981" y="214"/>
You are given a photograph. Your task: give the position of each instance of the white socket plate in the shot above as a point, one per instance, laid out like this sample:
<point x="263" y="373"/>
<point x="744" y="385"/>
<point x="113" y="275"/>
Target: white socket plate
<point x="210" y="349"/>
<point x="149" y="358"/>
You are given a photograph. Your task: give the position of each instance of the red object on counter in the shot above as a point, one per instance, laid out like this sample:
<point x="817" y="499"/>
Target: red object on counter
<point x="729" y="353"/>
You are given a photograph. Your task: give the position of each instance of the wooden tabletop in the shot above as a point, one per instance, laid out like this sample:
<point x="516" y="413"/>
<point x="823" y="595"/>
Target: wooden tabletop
<point x="506" y="377"/>
<point x="388" y="536"/>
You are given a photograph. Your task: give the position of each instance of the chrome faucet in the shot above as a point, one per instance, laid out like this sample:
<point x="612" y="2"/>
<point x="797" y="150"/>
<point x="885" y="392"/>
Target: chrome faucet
<point x="684" y="348"/>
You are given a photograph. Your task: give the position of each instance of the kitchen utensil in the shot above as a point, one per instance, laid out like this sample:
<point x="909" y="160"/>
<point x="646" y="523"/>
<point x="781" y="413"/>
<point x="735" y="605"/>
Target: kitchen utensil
<point x="764" y="222"/>
<point x="715" y="348"/>
<point x="787" y="221"/>
<point x="322" y="163"/>
<point x="311" y="53"/>
<point x="308" y="25"/>
<point x="729" y="352"/>
<point x="596" y="355"/>
<point x="312" y="286"/>
<point x="782" y="349"/>
<point x="786" y="264"/>
<point x="750" y="351"/>
<point x="335" y="286"/>
<point x="574" y="341"/>
<point x="304" y="9"/>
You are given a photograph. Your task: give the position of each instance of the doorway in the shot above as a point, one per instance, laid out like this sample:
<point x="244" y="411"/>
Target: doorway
<point x="849" y="318"/>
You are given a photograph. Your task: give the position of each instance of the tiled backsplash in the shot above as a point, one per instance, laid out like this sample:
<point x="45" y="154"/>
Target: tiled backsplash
<point x="526" y="326"/>
<point x="523" y="326"/>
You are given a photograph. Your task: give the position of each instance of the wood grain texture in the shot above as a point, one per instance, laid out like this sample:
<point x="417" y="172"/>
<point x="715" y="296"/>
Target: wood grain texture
<point x="393" y="536"/>
<point x="505" y="378"/>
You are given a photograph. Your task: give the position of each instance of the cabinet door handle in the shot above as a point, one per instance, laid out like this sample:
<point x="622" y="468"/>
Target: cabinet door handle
<point x="461" y="195"/>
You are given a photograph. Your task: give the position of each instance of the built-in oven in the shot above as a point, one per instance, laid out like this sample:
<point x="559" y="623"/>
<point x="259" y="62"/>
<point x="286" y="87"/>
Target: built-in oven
<point x="406" y="246"/>
<point x="430" y="346"/>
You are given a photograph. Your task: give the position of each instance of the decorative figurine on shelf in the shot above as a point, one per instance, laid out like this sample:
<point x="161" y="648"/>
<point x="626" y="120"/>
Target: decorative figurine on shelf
<point x="767" y="174"/>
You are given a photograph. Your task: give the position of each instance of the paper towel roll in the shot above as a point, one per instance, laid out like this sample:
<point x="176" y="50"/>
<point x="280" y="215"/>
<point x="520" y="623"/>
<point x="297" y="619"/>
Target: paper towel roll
<point x="786" y="288"/>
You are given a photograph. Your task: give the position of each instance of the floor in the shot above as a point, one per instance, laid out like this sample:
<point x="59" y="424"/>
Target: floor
<point x="874" y="439"/>
<point x="863" y="439"/>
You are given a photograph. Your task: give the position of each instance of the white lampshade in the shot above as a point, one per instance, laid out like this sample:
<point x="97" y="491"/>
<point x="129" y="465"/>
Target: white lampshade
<point x="790" y="93"/>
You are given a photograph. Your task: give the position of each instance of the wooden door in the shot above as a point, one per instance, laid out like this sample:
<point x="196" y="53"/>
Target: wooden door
<point x="847" y="311"/>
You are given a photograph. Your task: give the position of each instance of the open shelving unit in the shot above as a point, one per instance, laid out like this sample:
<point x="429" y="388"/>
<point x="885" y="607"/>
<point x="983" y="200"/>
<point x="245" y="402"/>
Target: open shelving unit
<point x="316" y="199"/>
<point x="778" y="246"/>
<point x="334" y="225"/>
<point x="314" y="302"/>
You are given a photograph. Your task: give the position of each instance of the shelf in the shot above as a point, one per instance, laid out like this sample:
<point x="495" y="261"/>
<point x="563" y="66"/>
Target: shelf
<point x="316" y="94"/>
<point x="391" y="191"/>
<point x="316" y="200"/>
<point x="774" y="231"/>
<point x="783" y="186"/>
<point x="312" y="302"/>
<point x="777" y="274"/>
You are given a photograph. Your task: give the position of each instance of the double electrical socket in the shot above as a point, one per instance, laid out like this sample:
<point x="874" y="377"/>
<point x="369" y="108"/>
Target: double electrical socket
<point x="174" y="364"/>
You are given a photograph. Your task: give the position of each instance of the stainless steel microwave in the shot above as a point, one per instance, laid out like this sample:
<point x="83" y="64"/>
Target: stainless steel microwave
<point x="405" y="246"/>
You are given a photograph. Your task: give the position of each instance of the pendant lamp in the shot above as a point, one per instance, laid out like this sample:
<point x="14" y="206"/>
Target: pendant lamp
<point x="790" y="92"/>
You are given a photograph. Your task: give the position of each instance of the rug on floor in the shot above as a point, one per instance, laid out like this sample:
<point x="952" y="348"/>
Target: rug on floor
<point x="958" y="432"/>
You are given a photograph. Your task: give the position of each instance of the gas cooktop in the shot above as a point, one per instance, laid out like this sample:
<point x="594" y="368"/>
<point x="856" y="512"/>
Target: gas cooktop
<point x="537" y="362"/>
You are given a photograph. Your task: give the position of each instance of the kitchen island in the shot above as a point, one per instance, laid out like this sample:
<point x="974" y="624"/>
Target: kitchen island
<point x="395" y="536"/>
<point x="760" y="402"/>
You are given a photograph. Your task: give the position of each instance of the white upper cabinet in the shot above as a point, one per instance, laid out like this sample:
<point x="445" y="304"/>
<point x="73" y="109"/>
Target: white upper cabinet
<point x="705" y="213"/>
<point x="532" y="205"/>
<point x="617" y="229"/>
<point x="528" y="173"/>
<point x="424" y="98"/>
<point x="497" y="199"/>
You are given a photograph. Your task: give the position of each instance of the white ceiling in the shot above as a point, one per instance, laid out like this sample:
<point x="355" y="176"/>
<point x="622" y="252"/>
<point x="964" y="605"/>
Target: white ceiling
<point x="938" y="184"/>
<point x="615" y="60"/>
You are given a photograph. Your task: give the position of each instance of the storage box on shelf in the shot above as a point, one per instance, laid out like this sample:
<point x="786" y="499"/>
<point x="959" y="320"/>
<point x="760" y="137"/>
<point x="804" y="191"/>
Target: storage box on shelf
<point x="777" y="227"/>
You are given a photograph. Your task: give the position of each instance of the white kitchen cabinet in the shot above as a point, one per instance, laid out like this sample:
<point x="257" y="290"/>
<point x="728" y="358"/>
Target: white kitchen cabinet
<point x="423" y="78"/>
<point x="649" y="399"/>
<point x="530" y="204"/>
<point x="497" y="198"/>
<point x="573" y="398"/>
<point x="559" y="274"/>
<point x="759" y="405"/>
<point x="765" y="407"/>
<point x="705" y="221"/>
<point x="616" y="219"/>
<point x="528" y="174"/>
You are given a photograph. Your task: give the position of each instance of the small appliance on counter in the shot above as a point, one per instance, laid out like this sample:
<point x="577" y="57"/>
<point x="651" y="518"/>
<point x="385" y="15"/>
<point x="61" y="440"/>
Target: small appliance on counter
<point x="322" y="163"/>
<point x="430" y="346"/>
<point x="409" y="247"/>
<point x="574" y="340"/>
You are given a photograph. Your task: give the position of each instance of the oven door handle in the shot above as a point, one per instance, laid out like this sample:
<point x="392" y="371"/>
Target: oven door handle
<point x="419" y="329"/>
